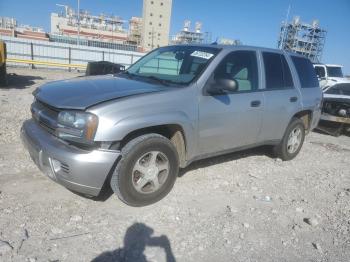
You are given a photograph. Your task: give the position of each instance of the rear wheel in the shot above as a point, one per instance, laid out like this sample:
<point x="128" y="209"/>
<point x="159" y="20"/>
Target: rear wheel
<point x="147" y="170"/>
<point x="292" y="140"/>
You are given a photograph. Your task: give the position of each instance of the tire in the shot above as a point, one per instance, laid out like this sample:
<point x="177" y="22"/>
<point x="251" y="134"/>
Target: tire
<point x="283" y="150"/>
<point x="144" y="153"/>
<point x="3" y="81"/>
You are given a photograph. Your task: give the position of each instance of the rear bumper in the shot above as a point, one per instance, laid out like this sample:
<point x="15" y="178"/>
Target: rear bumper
<point x="76" y="169"/>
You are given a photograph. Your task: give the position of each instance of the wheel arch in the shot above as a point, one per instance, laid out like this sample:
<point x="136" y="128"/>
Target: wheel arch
<point x="306" y="117"/>
<point x="174" y="132"/>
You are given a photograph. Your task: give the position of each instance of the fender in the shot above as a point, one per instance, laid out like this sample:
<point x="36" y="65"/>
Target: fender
<point x="125" y="126"/>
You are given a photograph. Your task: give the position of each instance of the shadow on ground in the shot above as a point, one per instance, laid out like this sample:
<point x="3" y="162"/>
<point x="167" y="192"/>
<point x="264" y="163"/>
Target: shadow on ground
<point x="258" y="151"/>
<point x="136" y="239"/>
<point x="107" y="192"/>
<point x="21" y="81"/>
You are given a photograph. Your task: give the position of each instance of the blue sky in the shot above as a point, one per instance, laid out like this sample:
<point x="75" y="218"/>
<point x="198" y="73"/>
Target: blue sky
<point x="254" y="22"/>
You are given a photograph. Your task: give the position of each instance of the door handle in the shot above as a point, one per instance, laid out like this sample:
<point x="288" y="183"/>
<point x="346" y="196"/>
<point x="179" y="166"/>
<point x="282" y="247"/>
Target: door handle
<point x="255" y="103"/>
<point x="293" y="99"/>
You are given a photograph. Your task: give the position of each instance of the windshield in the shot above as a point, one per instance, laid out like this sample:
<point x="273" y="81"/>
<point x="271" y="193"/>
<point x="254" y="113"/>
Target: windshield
<point x="174" y="64"/>
<point x="334" y="71"/>
<point x="339" y="89"/>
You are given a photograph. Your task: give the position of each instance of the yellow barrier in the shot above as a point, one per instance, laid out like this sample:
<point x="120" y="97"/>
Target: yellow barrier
<point x="35" y="62"/>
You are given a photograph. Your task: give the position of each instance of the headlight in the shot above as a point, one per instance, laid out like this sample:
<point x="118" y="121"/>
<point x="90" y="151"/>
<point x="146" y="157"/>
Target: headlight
<point x="77" y="126"/>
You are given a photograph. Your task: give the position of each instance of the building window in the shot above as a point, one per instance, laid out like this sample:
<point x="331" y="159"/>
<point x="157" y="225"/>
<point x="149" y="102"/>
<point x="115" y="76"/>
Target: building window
<point x="158" y="34"/>
<point x="150" y="23"/>
<point x="161" y="3"/>
<point x="151" y="2"/>
<point x="160" y="24"/>
<point x="149" y="33"/>
<point x="151" y="14"/>
<point x="149" y="44"/>
<point x="160" y="16"/>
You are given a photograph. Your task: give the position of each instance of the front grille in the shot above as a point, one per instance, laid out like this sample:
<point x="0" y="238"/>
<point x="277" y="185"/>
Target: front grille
<point x="45" y="115"/>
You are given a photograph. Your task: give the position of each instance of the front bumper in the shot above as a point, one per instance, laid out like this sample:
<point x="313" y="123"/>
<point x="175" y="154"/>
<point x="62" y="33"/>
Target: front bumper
<point x="338" y="119"/>
<point x="76" y="169"/>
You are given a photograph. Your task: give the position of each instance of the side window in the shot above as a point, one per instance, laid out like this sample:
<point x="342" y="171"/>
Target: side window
<point x="241" y="66"/>
<point x="306" y="72"/>
<point x="277" y="72"/>
<point x="320" y="71"/>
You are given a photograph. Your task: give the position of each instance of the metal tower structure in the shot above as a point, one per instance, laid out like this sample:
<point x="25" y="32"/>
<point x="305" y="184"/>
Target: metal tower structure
<point x="302" y="38"/>
<point x="187" y="36"/>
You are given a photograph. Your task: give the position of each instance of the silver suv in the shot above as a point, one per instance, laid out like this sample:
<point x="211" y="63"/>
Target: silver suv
<point x="133" y="131"/>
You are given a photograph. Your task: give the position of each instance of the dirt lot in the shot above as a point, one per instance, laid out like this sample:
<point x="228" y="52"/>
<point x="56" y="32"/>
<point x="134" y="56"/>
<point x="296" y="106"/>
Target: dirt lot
<point x="245" y="206"/>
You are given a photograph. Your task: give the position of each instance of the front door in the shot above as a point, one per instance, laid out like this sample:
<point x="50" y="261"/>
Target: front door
<point x="231" y="119"/>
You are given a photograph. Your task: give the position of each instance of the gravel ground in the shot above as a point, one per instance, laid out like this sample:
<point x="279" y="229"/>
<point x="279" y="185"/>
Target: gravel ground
<point x="245" y="206"/>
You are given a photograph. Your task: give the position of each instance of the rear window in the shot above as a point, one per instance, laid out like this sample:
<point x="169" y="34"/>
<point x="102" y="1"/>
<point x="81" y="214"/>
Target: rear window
<point x="306" y="72"/>
<point x="277" y="72"/>
<point x="334" y="71"/>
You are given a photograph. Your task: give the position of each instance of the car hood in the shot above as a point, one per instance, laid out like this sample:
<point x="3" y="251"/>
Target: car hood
<point x="83" y="92"/>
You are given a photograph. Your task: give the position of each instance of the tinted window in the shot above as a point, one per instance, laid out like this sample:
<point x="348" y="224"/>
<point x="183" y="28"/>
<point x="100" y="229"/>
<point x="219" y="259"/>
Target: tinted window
<point x="339" y="89"/>
<point x="306" y="72"/>
<point x="277" y="72"/>
<point x="320" y="71"/>
<point x="242" y="67"/>
<point x="334" y="71"/>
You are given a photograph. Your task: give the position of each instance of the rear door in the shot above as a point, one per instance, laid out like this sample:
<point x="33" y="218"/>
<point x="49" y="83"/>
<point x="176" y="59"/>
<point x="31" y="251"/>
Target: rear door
<point x="311" y="92"/>
<point x="282" y="98"/>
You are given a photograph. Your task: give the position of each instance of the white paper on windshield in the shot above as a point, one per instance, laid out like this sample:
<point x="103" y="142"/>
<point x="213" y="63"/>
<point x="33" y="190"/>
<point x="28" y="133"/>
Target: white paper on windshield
<point x="202" y="54"/>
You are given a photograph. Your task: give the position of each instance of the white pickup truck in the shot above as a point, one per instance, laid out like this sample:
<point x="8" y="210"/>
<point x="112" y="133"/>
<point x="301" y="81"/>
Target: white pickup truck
<point x="328" y="75"/>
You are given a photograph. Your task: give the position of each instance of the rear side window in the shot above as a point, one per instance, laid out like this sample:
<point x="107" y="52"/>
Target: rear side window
<point x="306" y="72"/>
<point x="277" y="72"/>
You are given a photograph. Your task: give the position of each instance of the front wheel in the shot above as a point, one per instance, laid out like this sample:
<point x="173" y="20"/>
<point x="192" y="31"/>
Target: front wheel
<point x="292" y="140"/>
<point x="147" y="170"/>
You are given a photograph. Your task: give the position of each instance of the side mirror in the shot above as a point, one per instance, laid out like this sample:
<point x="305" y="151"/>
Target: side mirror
<point x="220" y="85"/>
<point x="230" y="85"/>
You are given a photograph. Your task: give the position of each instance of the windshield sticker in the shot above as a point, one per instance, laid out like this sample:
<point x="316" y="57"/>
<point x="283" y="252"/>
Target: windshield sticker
<point x="202" y="54"/>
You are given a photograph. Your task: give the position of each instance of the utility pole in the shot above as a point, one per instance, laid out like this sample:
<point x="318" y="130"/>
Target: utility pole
<point x="78" y="22"/>
<point x="285" y="28"/>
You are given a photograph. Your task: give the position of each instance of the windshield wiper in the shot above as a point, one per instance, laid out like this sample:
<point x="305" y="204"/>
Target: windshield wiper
<point x="128" y="74"/>
<point x="159" y="80"/>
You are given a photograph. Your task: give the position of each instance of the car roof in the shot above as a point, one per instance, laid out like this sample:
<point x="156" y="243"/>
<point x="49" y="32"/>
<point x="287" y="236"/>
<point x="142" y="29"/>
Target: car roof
<point x="329" y="65"/>
<point x="239" y="47"/>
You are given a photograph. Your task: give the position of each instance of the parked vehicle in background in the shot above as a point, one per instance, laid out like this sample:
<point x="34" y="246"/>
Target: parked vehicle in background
<point x="3" y="53"/>
<point x="328" y="74"/>
<point x="335" y="118"/>
<point x="175" y="105"/>
<point x="103" y="68"/>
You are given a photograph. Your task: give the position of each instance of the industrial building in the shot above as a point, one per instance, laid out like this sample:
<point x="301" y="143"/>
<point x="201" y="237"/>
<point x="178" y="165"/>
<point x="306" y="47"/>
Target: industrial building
<point x="83" y="24"/>
<point x="106" y="31"/>
<point x="10" y="27"/>
<point x="135" y="31"/>
<point x="187" y="35"/>
<point x="302" y="38"/>
<point x="156" y="23"/>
